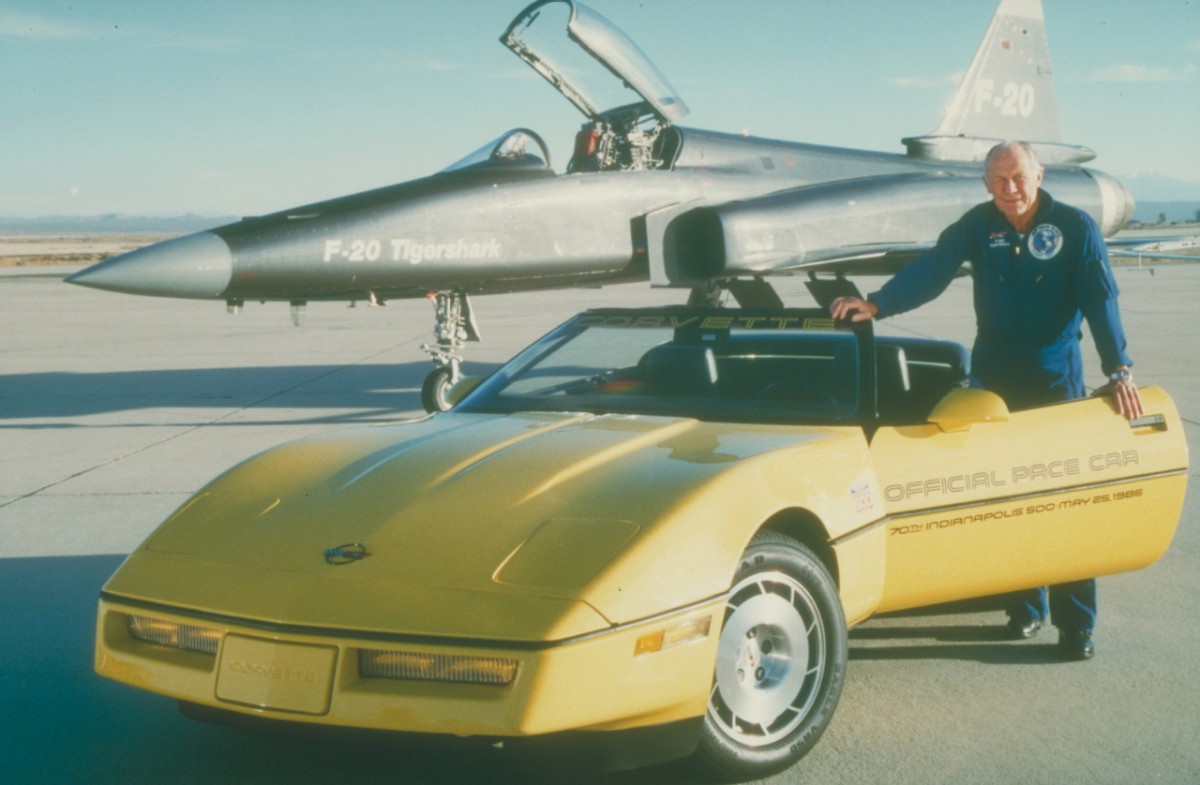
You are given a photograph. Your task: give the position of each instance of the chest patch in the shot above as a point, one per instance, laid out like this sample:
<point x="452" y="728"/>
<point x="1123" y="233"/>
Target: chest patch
<point x="1045" y="241"/>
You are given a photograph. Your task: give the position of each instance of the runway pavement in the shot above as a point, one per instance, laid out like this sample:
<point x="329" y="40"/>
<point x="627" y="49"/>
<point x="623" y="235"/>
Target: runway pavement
<point x="114" y="409"/>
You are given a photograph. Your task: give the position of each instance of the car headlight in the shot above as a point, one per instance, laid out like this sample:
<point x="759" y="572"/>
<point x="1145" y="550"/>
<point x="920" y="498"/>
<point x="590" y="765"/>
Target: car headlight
<point x="168" y="633"/>
<point x="418" y="666"/>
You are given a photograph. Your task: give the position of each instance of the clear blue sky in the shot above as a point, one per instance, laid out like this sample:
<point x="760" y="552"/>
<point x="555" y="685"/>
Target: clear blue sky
<point x="237" y="107"/>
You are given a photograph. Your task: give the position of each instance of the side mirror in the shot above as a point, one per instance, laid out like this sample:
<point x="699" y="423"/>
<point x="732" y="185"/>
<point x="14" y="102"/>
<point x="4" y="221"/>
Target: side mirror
<point x="462" y="388"/>
<point x="962" y="408"/>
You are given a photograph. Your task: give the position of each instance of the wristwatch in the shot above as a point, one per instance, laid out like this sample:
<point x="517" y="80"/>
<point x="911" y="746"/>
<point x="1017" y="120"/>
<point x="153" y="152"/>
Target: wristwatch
<point x="1120" y="376"/>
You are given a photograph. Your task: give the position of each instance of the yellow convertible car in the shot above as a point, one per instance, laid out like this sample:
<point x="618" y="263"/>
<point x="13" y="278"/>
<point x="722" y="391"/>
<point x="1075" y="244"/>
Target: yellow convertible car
<point x="651" y="528"/>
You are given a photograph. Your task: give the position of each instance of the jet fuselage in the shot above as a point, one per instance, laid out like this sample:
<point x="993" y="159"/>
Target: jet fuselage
<point x="502" y="226"/>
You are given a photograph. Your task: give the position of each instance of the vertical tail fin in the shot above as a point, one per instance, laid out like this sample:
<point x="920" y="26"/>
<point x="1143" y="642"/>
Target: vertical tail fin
<point x="1007" y="93"/>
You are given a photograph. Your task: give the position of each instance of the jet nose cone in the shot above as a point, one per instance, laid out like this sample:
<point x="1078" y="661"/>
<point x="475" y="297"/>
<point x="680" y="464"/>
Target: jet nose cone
<point x="196" y="266"/>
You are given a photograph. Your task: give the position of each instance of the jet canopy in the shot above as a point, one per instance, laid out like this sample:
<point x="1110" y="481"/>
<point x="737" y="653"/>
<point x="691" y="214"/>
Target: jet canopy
<point x="571" y="64"/>
<point x="509" y="149"/>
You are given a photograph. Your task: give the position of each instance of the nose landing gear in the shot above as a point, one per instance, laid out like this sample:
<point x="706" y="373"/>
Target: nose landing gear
<point x="454" y="326"/>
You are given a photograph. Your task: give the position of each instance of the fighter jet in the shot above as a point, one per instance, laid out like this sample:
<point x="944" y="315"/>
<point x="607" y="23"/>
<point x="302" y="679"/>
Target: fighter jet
<point x="642" y="198"/>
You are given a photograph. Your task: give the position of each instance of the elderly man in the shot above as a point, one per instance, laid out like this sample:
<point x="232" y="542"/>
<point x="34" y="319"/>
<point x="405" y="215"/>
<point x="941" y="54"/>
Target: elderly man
<point x="1040" y="267"/>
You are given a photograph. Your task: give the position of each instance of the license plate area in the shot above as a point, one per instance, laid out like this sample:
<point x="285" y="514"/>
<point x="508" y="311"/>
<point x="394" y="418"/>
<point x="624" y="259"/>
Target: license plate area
<point x="273" y="675"/>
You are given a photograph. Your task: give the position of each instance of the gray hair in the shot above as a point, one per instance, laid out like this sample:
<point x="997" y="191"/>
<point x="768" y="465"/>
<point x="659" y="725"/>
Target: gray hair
<point x="1010" y="146"/>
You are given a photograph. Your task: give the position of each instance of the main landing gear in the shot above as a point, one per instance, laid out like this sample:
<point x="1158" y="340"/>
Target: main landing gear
<point x="454" y="327"/>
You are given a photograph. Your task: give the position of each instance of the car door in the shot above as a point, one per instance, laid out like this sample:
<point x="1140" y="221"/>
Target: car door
<point x="982" y="501"/>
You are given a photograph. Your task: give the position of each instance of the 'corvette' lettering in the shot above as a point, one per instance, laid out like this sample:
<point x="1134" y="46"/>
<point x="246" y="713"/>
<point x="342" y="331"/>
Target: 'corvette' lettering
<point x="699" y="322"/>
<point x="272" y="673"/>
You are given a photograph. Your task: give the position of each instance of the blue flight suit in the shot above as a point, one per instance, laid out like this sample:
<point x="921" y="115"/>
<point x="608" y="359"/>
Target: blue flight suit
<point x="1031" y="294"/>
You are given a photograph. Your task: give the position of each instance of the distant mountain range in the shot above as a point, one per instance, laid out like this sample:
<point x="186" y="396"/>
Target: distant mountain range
<point x="1167" y="212"/>
<point x="1159" y="188"/>
<point x="112" y="223"/>
<point x="1162" y="199"/>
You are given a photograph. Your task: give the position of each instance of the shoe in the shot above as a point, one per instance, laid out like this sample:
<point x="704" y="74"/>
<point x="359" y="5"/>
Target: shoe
<point x="1075" y="645"/>
<point x="1019" y="629"/>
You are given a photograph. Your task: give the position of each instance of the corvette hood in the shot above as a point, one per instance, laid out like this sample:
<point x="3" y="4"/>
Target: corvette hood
<point x="460" y="516"/>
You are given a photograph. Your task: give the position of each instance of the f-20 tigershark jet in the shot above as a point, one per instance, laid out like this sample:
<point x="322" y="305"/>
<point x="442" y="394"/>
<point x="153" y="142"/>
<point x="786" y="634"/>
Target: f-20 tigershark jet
<point x="641" y="198"/>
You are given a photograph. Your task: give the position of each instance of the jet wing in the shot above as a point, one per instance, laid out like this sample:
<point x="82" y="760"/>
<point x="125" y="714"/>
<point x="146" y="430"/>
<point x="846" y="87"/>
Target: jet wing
<point x="887" y="261"/>
<point x="1178" y="248"/>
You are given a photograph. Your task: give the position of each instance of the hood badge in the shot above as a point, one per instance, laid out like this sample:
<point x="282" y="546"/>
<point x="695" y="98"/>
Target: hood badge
<point x="345" y="554"/>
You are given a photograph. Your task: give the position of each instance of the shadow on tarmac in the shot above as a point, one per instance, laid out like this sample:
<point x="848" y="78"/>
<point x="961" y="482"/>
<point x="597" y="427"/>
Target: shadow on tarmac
<point x="969" y="631"/>
<point x="368" y="391"/>
<point x="998" y="652"/>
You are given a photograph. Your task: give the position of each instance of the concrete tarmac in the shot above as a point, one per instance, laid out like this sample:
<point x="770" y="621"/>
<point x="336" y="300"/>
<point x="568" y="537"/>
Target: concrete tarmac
<point x="114" y="409"/>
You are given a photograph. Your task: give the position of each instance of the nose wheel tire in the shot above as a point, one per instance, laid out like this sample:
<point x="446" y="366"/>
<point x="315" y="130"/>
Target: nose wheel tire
<point x="436" y="388"/>
<point x="781" y="662"/>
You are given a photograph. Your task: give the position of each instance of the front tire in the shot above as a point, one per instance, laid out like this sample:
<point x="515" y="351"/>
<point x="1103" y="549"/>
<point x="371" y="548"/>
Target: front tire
<point x="781" y="662"/>
<point x="435" y="390"/>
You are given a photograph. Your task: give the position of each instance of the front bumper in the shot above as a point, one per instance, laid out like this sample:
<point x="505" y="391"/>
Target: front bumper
<point x="601" y="682"/>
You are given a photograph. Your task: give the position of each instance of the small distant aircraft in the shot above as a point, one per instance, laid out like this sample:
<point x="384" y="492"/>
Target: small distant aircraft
<point x="642" y="198"/>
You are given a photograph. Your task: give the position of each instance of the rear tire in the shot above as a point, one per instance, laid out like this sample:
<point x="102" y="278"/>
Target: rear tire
<point x="781" y="662"/>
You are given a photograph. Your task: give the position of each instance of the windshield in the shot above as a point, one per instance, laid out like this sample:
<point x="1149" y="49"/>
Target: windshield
<point x="518" y="147"/>
<point x="727" y="365"/>
<point x="571" y="62"/>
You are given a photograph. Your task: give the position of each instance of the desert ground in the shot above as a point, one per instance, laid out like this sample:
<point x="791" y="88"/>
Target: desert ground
<point x="40" y="250"/>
